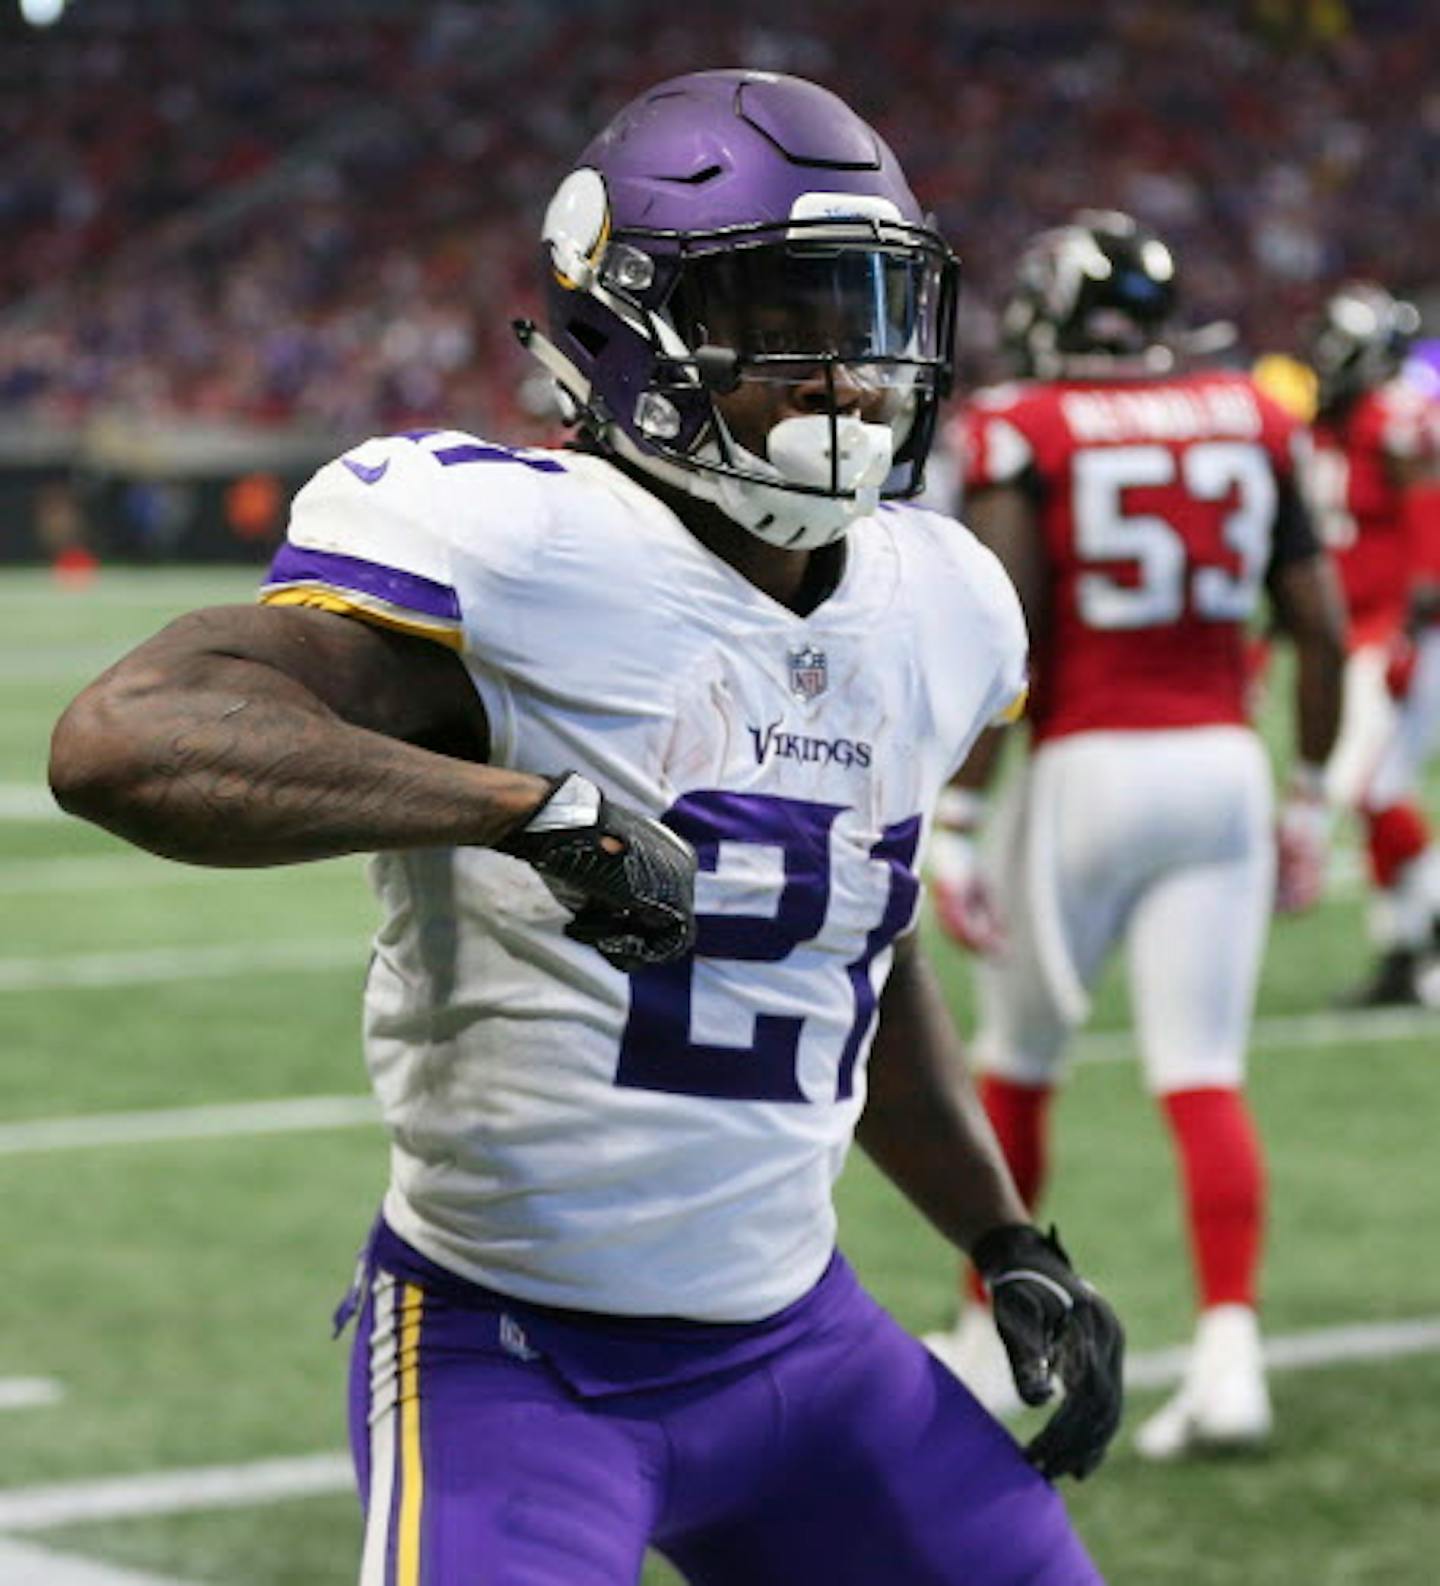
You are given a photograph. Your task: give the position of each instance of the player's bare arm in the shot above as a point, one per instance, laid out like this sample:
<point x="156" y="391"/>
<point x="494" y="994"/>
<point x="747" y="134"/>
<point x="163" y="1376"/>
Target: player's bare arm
<point x="244" y="736"/>
<point x="924" y="1127"/>
<point x="1308" y="604"/>
<point x="255" y="736"/>
<point x="1003" y="518"/>
<point x="1310" y="608"/>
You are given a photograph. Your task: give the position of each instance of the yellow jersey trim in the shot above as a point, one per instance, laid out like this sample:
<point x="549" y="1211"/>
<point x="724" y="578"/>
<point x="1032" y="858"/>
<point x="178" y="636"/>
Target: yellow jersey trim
<point x="373" y="612"/>
<point x="1015" y="709"/>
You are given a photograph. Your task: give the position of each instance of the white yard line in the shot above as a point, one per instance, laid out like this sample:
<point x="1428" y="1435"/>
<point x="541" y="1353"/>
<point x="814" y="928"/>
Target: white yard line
<point x="24" y="1564"/>
<point x="156" y="589"/>
<point x="28" y="801"/>
<point x="222" y="1120"/>
<point x="41" y="1508"/>
<point x="1328" y="1346"/>
<point x="29" y="1393"/>
<point x="148" y="966"/>
<point x="173" y="1491"/>
<point x="300" y="1114"/>
<point x="104" y="873"/>
<point x="1293" y="1032"/>
<point x="131" y="872"/>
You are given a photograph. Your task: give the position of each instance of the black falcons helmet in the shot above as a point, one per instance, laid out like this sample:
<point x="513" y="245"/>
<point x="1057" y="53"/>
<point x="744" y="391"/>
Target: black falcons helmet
<point x="1358" y="340"/>
<point x="1088" y="295"/>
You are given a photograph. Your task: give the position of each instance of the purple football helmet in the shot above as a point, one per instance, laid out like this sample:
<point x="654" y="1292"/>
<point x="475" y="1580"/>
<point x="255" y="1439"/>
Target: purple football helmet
<point x="737" y="226"/>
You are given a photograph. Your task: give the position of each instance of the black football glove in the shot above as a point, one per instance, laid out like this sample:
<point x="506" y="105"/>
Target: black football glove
<point x="629" y="880"/>
<point x="1053" y="1324"/>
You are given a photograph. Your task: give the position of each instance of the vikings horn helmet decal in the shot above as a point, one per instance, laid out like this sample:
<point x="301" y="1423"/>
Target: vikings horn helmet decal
<point x="732" y="230"/>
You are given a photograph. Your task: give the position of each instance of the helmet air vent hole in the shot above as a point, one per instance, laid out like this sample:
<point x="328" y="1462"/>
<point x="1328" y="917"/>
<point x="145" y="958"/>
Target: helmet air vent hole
<point x="593" y="340"/>
<point x="706" y="173"/>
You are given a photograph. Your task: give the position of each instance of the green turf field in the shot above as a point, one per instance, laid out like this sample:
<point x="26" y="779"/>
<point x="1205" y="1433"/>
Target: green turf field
<point x="178" y="1290"/>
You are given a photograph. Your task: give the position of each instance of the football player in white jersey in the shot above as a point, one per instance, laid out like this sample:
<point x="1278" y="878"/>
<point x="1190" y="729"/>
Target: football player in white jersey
<point x="644" y="734"/>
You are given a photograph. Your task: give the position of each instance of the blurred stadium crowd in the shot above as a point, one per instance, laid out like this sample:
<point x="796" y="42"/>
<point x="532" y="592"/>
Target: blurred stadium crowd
<point x="324" y="215"/>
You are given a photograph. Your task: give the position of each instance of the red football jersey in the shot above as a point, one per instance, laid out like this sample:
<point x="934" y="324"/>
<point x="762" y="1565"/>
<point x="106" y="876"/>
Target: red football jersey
<point x="1361" y="506"/>
<point x="1158" y="500"/>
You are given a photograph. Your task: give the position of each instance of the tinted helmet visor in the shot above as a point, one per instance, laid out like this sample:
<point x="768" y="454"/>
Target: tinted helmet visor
<point x="784" y="309"/>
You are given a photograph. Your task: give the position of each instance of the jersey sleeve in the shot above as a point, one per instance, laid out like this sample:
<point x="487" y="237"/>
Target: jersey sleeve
<point x="996" y="449"/>
<point x="1414" y="443"/>
<point x="364" y="540"/>
<point x="1010" y="691"/>
<point x="1408" y="421"/>
<point x="974" y="644"/>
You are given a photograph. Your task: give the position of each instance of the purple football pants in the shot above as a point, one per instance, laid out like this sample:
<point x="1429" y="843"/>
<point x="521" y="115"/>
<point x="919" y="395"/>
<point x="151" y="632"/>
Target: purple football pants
<point x="503" y="1444"/>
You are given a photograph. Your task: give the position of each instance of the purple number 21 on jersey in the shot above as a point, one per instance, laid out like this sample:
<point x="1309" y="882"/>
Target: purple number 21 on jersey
<point x="658" y="1051"/>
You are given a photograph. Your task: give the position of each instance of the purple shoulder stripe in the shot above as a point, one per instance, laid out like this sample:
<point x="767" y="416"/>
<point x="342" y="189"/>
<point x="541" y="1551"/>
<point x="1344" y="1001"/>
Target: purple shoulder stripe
<point x="476" y="452"/>
<point x="294" y="564"/>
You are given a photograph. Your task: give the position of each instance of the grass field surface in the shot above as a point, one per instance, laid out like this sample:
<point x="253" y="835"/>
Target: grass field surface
<point x="169" y="1276"/>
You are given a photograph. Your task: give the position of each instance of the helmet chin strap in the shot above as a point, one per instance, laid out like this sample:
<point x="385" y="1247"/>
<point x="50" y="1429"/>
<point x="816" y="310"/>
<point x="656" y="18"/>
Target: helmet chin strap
<point x="800" y="454"/>
<point x="775" y="513"/>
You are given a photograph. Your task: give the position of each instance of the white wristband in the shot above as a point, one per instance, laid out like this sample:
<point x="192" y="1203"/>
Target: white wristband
<point x="574" y="804"/>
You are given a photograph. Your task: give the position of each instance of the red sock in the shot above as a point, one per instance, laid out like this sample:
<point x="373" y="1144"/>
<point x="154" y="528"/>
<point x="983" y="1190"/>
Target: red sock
<point x="1018" y="1114"/>
<point x="1224" y="1176"/>
<point x="1394" y="835"/>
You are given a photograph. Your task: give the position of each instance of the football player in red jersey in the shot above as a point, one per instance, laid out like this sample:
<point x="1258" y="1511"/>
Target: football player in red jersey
<point x="1141" y="511"/>
<point x="1376" y="489"/>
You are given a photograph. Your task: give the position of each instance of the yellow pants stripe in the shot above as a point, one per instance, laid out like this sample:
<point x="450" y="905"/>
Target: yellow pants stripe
<point x="412" y="1473"/>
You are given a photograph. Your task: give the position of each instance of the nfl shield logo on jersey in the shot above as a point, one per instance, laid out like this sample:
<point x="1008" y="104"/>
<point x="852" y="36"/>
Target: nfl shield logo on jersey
<point x="809" y="677"/>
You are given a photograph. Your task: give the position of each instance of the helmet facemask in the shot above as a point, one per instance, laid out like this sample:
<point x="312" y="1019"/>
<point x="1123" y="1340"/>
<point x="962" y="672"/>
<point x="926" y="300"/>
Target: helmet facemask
<point x="788" y="373"/>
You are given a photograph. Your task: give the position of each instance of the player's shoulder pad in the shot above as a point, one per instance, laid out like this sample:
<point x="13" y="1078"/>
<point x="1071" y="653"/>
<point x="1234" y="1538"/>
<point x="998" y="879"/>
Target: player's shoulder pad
<point x="1006" y="426"/>
<point x="385" y="530"/>
<point x="1402" y="395"/>
<point x="1408" y="419"/>
<point x="1243" y="408"/>
<point x="1276" y="415"/>
<point x="966" y="609"/>
<point x="952" y="572"/>
<point x="407" y="495"/>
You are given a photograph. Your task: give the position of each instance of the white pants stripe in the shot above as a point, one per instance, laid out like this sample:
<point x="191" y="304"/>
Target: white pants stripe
<point x="375" y="1559"/>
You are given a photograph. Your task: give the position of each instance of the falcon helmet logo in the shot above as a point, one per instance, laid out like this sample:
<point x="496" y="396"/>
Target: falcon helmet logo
<point x="809" y="674"/>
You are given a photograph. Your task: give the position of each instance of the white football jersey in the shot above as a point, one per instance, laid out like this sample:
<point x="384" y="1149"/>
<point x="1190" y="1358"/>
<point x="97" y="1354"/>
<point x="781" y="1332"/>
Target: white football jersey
<point x="662" y="1143"/>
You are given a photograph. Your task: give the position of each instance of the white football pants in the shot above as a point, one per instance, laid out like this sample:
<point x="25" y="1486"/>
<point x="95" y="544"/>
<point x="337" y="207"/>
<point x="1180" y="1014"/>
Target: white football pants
<point x="1164" y="839"/>
<point x="1415" y="730"/>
